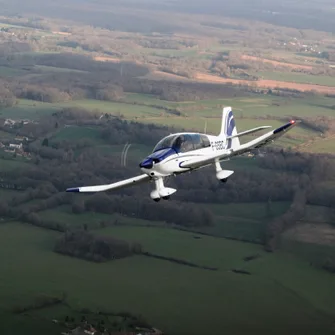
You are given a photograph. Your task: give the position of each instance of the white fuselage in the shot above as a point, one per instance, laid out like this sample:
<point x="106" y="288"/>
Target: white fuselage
<point x="171" y="165"/>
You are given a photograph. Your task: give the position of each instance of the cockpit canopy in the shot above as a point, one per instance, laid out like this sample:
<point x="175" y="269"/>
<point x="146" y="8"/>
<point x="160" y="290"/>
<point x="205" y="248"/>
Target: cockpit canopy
<point x="183" y="142"/>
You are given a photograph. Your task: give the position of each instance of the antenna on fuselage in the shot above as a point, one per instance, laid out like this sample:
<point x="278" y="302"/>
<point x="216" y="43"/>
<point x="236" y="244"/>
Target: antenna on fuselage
<point x="205" y="130"/>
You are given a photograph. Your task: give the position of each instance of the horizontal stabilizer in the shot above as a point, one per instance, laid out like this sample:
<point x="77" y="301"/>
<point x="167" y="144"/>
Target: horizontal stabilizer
<point x="247" y="132"/>
<point x="114" y="186"/>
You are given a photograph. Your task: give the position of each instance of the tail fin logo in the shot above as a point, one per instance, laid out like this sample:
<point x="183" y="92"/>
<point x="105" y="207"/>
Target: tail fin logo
<point x="230" y="124"/>
<point x="228" y="128"/>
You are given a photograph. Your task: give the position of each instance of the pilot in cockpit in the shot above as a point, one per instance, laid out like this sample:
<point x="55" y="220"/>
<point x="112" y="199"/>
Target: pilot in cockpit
<point x="178" y="142"/>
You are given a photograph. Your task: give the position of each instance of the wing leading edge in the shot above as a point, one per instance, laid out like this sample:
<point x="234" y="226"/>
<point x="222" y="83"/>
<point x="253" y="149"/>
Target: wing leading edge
<point x="254" y="144"/>
<point x="120" y="184"/>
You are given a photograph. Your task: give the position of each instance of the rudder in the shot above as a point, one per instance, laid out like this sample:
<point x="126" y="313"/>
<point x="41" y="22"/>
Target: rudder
<point x="228" y="128"/>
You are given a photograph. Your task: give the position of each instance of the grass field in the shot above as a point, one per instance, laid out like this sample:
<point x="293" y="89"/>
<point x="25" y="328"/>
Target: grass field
<point x="28" y="109"/>
<point x="297" y="78"/>
<point x="307" y="251"/>
<point x="10" y="164"/>
<point x="74" y="133"/>
<point x="64" y="215"/>
<point x="45" y="68"/>
<point x="135" y="152"/>
<point x="11" y="72"/>
<point x="274" y="294"/>
<point x="129" y="111"/>
<point x="6" y="194"/>
<point x="243" y="220"/>
<point x="322" y="146"/>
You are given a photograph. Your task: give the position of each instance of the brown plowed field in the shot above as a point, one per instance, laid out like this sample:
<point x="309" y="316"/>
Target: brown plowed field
<point x="61" y="33"/>
<point x="277" y="63"/>
<point x="267" y="84"/>
<point x="106" y="59"/>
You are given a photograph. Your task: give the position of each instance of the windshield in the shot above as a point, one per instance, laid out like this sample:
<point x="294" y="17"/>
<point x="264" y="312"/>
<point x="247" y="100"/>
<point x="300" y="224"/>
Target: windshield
<point x="166" y="142"/>
<point x="183" y="142"/>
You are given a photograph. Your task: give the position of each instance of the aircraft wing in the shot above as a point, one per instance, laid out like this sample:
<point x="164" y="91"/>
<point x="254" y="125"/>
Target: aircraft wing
<point x="120" y="184"/>
<point x="254" y="144"/>
<point x="247" y="132"/>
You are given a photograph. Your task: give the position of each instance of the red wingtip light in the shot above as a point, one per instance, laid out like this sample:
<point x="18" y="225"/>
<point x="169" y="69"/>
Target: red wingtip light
<point x="292" y="121"/>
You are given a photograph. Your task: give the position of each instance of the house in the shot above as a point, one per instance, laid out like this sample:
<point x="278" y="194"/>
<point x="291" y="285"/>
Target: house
<point x="90" y="331"/>
<point x="82" y="331"/>
<point x="10" y="151"/>
<point x="25" y="121"/>
<point x="21" y="138"/>
<point x="15" y="146"/>
<point x="9" y="122"/>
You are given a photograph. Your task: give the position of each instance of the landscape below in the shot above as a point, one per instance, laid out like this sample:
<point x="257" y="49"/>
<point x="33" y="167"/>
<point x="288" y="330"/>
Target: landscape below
<point x="255" y="255"/>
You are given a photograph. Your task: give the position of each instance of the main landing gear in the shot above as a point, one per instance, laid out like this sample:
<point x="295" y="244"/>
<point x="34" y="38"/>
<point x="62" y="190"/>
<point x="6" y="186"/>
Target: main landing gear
<point x="222" y="175"/>
<point x="161" y="192"/>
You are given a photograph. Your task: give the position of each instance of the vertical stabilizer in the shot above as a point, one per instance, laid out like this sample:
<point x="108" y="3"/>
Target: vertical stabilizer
<point x="228" y="128"/>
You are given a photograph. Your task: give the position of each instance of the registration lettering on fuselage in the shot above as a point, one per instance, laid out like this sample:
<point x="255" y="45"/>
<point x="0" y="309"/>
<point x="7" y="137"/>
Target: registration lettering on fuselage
<point x="218" y="145"/>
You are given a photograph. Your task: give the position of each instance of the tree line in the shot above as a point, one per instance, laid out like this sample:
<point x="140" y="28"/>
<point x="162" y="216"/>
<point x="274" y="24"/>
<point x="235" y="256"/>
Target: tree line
<point x="82" y="244"/>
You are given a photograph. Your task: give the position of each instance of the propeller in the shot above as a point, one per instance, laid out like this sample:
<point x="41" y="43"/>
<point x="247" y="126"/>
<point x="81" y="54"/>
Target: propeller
<point x="124" y="154"/>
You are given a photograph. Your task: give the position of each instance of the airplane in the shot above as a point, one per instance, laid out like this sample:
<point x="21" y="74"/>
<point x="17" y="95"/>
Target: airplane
<point x="184" y="152"/>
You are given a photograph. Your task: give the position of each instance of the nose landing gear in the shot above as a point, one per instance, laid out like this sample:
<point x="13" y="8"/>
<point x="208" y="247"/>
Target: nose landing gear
<point x="161" y="192"/>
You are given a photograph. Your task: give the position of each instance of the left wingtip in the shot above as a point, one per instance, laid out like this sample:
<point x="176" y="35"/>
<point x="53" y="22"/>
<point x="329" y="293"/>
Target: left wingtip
<point x="285" y="127"/>
<point x="72" y="189"/>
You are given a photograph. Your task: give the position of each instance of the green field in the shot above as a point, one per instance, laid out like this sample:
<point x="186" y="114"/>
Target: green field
<point x="281" y="291"/>
<point x="6" y="194"/>
<point x="297" y="78"/>
<point x="307" y="251"/>
<point x="11" y="72"/>
<point x="45" y="68"/>
<point x="11" y="163"/>
<point x="116" y="108"/>
<point x="74" y="133"/>
<point x="322" y="146"/>
<point x="64" y="215"/>
<point x="243" y="220"/>
<point x="28" y="109"/>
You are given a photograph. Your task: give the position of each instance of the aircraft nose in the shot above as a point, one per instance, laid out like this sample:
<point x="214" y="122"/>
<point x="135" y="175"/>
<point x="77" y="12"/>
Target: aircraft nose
<point x="147" y="163"/>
